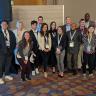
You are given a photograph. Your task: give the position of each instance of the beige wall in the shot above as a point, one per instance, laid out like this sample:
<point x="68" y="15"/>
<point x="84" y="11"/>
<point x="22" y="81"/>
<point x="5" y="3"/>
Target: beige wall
<point x="77" y="8"/>
<point x="29" y="2"/>
<point x="28" y="13"/>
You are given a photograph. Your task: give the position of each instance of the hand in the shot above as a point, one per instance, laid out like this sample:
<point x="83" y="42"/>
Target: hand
<point x="25" y="61"/>
<point x="46" y="50"/>
<point x="17" y="46"/>
<point x="58" y="51"/>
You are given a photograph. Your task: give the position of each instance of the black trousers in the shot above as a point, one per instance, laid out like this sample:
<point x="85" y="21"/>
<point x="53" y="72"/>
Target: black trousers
<point x="25" y="68"/>
<point x="45" y="58"/>
<point x="88" y="59"/>
<point x="5" y="64"/>
<point x="37" y="60"/>
<point x="72" y="59"/>
<point x="52" y="58"/>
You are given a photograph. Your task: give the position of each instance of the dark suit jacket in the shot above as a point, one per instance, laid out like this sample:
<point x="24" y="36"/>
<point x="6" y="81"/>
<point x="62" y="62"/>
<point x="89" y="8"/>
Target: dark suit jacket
<point x="34" y="39"/>
<point x="62" y="43"/>
<point x="64" y="28"/>
<point x="53" y="34"/>
<point x="77" y="39"/>
<point x="3" y="49"/>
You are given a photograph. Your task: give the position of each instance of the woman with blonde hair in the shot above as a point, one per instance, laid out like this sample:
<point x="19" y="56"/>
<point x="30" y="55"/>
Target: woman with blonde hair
<point x="20" y="29"/>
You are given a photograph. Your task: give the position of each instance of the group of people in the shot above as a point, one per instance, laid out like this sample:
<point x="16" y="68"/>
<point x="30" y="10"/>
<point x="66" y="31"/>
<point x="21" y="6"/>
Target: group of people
<point x="58" y="46"/>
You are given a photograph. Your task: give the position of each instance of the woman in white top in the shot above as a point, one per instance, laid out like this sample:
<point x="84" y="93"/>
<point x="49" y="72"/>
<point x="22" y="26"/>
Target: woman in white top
<point x="44" y="40"/>
<point x="20" y="29"/>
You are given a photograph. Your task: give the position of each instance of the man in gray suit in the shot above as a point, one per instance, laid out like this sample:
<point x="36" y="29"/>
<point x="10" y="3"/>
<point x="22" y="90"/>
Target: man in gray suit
<point x="73" y="44"/>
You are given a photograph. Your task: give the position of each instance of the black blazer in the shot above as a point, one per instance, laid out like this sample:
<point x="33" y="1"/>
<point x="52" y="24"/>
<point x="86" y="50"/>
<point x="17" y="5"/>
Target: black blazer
<point x="34" y="39"/>
<point x="64" y="28"/>
<point x="3" y="49"/>
<point x="62" y="43"/>
<point x="53" y="34"/>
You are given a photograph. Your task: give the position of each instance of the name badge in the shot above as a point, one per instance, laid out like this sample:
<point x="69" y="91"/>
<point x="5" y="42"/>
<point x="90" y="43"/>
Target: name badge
<point x="47" y="46"/>
<point x="26" y="58"/>
<point x="88" y="48"/>
<point x="71" y="44"/>
<point x="7" y="43"/>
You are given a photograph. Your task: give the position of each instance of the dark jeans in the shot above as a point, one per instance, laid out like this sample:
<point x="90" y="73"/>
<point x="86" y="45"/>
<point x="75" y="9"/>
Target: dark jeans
<point x="5" y="64"/>
<point x="72" y="59"/>
<point x="25" y="68"/>
<point x="88" y="59"/>
<point x="45" y="58"/>
<point x="39" y="57"/>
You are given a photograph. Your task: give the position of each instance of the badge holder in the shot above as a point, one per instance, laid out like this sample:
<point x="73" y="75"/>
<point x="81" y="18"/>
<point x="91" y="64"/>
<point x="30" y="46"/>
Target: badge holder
<point x="26" y="58"/>
<point x="89" y="48"/>
<point x="71" y="44"/>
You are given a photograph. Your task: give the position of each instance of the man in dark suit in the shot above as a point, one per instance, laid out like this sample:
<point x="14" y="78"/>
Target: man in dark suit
<point x="67" y="28"/>
<point x="34" y="37"/>
<point x="73" y="44"/>
<point x="7" y="46"/>
<point x="88" y="20"/>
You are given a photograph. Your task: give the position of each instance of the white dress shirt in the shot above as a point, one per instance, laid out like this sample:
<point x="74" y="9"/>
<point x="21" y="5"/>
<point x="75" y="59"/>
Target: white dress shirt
<point x="7" y="37"/>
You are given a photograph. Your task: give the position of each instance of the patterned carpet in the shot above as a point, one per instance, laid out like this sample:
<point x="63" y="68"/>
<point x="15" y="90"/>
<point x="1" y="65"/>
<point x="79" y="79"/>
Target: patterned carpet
<point x="52" y="86"/>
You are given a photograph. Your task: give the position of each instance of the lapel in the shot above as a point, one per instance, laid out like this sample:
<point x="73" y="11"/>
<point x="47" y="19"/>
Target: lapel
<point x="72" y="34"/>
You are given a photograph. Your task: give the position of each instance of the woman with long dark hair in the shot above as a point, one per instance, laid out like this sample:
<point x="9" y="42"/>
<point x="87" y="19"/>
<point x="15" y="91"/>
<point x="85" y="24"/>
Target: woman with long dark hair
<point x="44" y="40"/>
<point x="23" y="55"/>
<point x="53" y="32"/>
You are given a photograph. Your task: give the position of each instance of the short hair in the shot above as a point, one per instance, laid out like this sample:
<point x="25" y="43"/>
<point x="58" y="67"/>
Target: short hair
<point x="68" y="17"/>
<point x="33" y="22"/>
<point x="81" y="20"/>
<point x="87" y="14"/>
<point x="40" y="17"/>
<point x="5" y="21"/>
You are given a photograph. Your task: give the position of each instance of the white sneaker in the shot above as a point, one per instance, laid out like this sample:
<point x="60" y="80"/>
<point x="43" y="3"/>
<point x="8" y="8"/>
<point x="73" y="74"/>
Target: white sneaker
<point x="91" y="75"/>
<point x="1" y="81"/>
<point x="8" y="78"/>
<point x="84" y="76"/>
<point x="45" y="75"/>
<point x="33" y="73"/>
<point x="37" y="71"/>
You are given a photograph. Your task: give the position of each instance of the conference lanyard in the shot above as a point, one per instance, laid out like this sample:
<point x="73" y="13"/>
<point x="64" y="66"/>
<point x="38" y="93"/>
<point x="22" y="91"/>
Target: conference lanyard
<point x="72" y="35"/>
<point x="89" y="40"/>
<point x="46" y="39"/>
<point x="59" y="39"/>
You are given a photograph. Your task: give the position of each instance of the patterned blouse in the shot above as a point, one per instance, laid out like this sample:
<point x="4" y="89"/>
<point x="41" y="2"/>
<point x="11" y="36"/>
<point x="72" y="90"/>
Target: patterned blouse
<point x="89" y="45"/>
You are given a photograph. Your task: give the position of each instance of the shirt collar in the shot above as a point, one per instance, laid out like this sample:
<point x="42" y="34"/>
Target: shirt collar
<point x="34" y="30"/>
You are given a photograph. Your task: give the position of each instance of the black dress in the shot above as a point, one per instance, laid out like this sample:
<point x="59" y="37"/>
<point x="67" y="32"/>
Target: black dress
<point x="52" y="58"/>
